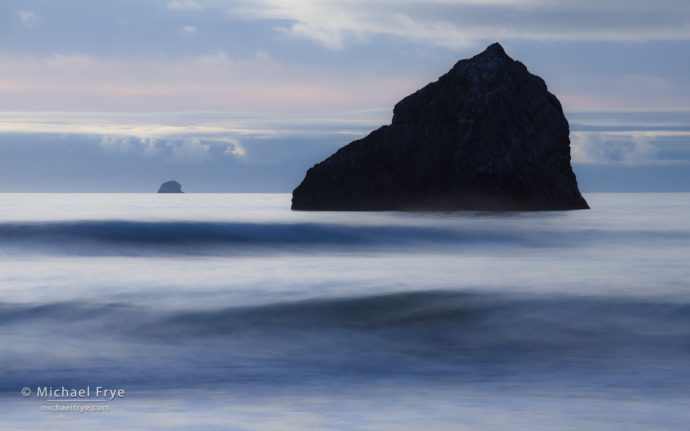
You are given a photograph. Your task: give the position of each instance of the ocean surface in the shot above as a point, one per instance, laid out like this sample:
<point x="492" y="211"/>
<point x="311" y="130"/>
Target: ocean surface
<point x="218" y="312"/>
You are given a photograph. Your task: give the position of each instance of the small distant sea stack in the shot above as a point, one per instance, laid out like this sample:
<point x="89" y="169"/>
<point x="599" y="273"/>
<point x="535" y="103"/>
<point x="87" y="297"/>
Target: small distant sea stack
<point x="170" y="187"/>
<point x="487" y="135"/>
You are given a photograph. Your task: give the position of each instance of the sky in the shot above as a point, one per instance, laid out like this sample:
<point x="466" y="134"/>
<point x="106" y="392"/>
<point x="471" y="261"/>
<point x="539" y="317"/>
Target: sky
<point x="244" y="96"/>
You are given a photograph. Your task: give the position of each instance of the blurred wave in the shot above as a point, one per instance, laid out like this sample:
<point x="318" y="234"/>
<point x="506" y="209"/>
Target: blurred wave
<point x="185" y="237"/>
<point x="437" y="335"/>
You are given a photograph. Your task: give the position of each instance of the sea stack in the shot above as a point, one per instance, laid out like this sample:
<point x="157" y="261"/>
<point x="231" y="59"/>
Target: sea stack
<point x="488" y="135"/>
<point x="170" y="187"/>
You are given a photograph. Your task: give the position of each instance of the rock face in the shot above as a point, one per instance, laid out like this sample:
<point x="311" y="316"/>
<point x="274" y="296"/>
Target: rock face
<point x="170" y="187"/>
<point x="486" y="136"/>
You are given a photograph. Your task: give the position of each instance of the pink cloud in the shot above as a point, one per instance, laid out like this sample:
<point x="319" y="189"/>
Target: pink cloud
<point x="208" y="82"/>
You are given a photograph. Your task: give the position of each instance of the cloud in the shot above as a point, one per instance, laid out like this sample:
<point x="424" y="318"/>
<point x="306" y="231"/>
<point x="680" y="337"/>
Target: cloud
<point x="597" y="138"/>
<point x="225" y="128"/>
<point x="233" y="148"/>
<point x="212" y="81"/>
<point x="149" y="147"/>
<point x="184" y="5"/>
<point x="28" y="18"/>
<point x="635" y="148"/>
<point x="459" y="23"/>
<point x="194" y="138"/>
<point x="186" y="150"/>
<point x="143" y="70"/>
<point x="127" y="145"/>
<point x="190" y="151"/>
<point x="116" y="145"/>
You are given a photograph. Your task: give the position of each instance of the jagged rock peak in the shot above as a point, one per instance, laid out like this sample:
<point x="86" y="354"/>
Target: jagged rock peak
<point x="487" y="135"/>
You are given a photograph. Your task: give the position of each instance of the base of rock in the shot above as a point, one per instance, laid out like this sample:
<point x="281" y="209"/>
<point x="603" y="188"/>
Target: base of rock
<point x="498" y="204"/>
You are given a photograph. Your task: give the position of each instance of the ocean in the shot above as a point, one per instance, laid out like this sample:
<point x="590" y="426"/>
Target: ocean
<point x="229" y="311"/>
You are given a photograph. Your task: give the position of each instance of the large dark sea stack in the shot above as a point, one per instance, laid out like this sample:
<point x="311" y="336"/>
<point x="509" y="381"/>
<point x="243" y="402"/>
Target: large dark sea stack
<point x="486" y="136"/>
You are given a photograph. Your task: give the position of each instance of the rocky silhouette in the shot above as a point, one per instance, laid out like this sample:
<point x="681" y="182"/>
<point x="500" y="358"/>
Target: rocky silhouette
<point x="487" y="135"/>
<point x="170" y="187"/>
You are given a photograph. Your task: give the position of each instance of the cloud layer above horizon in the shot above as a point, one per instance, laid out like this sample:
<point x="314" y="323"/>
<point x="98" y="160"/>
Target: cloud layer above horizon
<point x="234" y="152"/>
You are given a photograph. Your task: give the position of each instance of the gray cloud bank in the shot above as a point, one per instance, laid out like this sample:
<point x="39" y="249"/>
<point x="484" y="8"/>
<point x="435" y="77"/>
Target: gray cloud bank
<point x="222" y="152"/>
